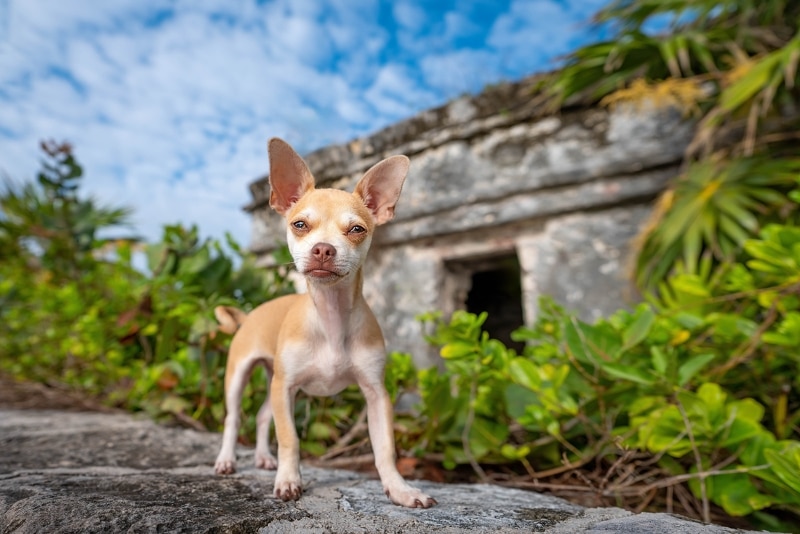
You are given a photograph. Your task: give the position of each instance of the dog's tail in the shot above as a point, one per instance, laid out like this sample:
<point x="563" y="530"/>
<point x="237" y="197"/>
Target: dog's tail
<point x="230" y="318"/>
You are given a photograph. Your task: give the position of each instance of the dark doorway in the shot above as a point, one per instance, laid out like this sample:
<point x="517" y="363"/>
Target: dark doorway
<point x="496" y="288"/>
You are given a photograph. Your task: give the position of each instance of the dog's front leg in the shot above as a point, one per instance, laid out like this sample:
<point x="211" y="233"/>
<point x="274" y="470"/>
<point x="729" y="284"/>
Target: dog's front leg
<point x="288" y="485"/>
<point x="380" y="417"/>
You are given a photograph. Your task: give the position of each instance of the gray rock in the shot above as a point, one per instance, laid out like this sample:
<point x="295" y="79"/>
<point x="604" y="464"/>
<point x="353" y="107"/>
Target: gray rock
<point x="656" y="523"/>
<point x="89" y="472"/>
<point x="582" y="242"/>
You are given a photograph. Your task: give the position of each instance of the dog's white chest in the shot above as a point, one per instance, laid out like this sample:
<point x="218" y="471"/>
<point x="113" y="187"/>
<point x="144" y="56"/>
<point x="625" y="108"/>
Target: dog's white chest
<point x="326" y="372"/>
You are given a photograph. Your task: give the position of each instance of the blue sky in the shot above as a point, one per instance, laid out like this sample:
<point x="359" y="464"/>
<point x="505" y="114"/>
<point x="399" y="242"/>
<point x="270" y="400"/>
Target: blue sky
<point x="169" y="104"/>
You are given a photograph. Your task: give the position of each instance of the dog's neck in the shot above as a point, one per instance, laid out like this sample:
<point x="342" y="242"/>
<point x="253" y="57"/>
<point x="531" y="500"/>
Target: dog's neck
<point x="334" y="305"/>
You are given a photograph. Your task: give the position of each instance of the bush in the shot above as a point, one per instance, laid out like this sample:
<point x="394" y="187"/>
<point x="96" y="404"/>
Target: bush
<point x="695" y="390"/>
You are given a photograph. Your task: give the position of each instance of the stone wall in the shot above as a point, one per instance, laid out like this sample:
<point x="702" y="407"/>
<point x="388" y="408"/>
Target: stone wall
<point x="492" y="178"/>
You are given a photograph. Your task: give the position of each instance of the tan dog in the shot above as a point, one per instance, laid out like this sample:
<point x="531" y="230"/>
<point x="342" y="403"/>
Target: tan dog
<point x="324" y="340"/>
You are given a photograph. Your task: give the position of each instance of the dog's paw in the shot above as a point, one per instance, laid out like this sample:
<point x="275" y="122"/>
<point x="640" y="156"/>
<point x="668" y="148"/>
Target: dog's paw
<point x="409" y="497"/>
<point x="288" y="490"/>
<point x="225" y="467"/>
<point x="266" y="461"/>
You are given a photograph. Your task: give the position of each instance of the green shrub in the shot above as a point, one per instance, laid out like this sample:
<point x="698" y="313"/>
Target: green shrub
<point x="701" y="381"/>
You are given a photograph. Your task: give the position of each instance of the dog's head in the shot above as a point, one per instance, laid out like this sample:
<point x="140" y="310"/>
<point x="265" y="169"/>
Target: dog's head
<point x="329" y="231"/>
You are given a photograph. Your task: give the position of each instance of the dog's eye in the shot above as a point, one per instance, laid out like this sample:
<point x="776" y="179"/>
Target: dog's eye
<point x="300" y="225"/>
<point x="356" y="229"/>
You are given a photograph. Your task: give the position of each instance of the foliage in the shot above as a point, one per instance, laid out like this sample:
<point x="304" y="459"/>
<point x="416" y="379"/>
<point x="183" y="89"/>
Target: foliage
<point x="733" y="66"/>
<point x="48" y="223"/>
<point x="691" y="393"/>
<point x="48" y="301"/>
<point x="713" y="208"/>
<point x="75" y="312"/>
<point x="461" y="406"/>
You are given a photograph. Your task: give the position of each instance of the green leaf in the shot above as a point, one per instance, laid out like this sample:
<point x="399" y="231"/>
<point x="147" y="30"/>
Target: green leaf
<point x="691" y="285"/>
<point x="748" y="410"/>
<point x="524" y="373"/>
<point x="592" y="343"/>
<point x="486" y="436"/>
<point x="735" y="492"/>
<point x="167" y="340"/>
<point x="458" y="349"/>
<point x="741" y="430"/>
<point x="663" y="431"/>
<point x="515" y="453"/>
<point x="646" y="404"/>
<point x="692" y="366"/>
<point x="518" y="398"/>
<point x="711" y="395"/>
<point x="318" y="430"/>
<point x="574" y="340"/>
<point x="692" y="246"/>
<point x="637" y="331"/>
<point x="733" y="229"/>
<point x="733" y="326"/>
<point x="659" y="359"/>
<point x="750" y="84"/>
<point x="315" y="448"/>
<point x="764" y="267"/>
<point x="626" y="372"/>
<point x="786" y="466"/>
<point x="743" y="217"/>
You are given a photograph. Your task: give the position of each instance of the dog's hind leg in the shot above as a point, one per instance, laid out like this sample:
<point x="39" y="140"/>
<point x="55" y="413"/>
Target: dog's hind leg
<point x="226" y="459"/>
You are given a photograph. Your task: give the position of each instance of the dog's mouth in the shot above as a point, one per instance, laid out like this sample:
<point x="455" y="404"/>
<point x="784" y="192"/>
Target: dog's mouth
<point x="323" y="274"/>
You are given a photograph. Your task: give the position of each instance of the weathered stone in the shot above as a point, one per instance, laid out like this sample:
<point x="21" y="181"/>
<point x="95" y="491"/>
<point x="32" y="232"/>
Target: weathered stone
<point x="522" y="207"/>
<point x="109" y="440"/>
<point x="579" y="243"/>
<point x="469" y="507"/>
<point x="123" y="500"/>
<point x="655" y="523"/>
<point x="88" y="472"/>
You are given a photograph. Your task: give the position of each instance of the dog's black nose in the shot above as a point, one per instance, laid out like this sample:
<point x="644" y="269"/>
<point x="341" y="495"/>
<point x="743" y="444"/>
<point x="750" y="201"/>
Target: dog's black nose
<point x="323" y="252"/>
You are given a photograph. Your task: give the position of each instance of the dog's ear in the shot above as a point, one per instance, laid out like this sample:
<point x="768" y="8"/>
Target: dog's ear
<point x="289" y="177"/>
<point x="380" y="187"/>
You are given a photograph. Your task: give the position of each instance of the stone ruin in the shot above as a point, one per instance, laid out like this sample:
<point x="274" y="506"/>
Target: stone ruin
<point x="503" y="204"/>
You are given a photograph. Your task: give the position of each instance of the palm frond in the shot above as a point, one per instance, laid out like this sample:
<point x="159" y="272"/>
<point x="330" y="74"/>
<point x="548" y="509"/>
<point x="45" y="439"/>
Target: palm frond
<point x="714" y="206"/>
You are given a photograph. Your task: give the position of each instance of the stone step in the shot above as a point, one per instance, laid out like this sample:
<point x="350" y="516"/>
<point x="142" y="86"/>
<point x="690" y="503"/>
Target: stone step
<point x="63" y="472"/>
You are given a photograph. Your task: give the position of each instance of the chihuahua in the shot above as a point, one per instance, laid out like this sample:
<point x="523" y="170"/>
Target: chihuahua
<point x="323" y="340"/>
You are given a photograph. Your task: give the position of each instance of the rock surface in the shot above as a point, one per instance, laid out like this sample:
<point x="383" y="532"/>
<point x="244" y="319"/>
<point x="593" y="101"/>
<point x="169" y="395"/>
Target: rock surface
<point x="104" y="472"/>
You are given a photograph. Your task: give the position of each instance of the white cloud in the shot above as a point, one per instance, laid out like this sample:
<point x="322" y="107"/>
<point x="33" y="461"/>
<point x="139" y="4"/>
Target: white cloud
<point x="410" y="16"/>
<point x="396" y="94"/>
